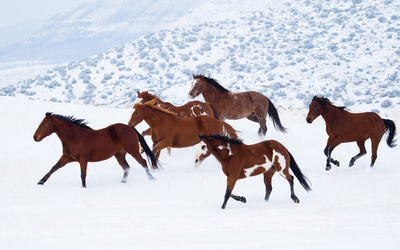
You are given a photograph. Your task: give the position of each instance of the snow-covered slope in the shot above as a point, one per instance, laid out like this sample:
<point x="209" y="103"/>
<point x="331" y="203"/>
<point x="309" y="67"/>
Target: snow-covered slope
<point x="346" y="50"/>
<point x="348" y="208"/>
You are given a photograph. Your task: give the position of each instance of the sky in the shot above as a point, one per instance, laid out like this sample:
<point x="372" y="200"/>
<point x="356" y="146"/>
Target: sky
<point x="20" y="11"/>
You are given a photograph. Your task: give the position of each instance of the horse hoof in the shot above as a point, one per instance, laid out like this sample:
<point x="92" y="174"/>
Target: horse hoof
<point x="243" y="199"/>
<point x="328" y="168"/>
<point x="336" y="163"/>
<point x="295" y="199"/>
<point x="123" y="181"/>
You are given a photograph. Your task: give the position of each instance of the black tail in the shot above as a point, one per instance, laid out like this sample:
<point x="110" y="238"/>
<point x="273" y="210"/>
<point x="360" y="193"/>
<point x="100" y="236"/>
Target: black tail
<point x="273" y="114"/>
<point x="299" y="175"/>
<point x="391" y="127"/>
<point x="150" y="156"/>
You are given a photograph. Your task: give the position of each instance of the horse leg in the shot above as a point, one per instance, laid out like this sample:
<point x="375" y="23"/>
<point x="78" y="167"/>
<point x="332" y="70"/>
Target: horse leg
<point x="328" y="151"/>
<point x="138" y="157"/>
<point x="361" y="145"/>
<point x="61" y="163"/>
<point x="83" y="172"/>
<point x="374" y="146"/>
<point x="292" y="194"/>
<point x="268" y="182"/>
<point x="239" y="198"/>
<point x="120" y="156"/>
<point x="231" y="181"/>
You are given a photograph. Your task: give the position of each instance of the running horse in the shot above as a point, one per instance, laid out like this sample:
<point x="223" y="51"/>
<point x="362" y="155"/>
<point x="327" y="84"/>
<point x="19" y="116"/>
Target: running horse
<point x="171" y="131"/>
<point x="240" y="161"/>
<point x="82" y="144"/>
<point x="251" y="104"/>
<point x="193" y="108"/>
<point x="343" y="126"/>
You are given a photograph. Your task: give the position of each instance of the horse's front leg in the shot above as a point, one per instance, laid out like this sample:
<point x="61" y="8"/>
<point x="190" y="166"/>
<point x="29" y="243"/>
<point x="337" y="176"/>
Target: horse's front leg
<point x="61" y="163"/>
<point x="328" y="152"/>
<point x="231" y="181"/>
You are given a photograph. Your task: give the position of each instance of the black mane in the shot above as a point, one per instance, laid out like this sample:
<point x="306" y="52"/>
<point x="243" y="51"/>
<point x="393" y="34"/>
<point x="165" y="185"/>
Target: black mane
<point x="213" y="82"/>
<point x="70" y="119"/>
<point x="323" y="100"/>
<point x="223" y="138"/>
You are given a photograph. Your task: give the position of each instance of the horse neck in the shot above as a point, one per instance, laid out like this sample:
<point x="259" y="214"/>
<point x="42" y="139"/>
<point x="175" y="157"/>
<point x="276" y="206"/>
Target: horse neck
<point x="330" y="113"/>
<point x="153" y="116"/>
<point x="212" y="94"/>
<point x="64" y="130"/>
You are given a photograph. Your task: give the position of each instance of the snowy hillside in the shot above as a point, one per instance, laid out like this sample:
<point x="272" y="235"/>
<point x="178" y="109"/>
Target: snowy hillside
<point x="346" y="50"/>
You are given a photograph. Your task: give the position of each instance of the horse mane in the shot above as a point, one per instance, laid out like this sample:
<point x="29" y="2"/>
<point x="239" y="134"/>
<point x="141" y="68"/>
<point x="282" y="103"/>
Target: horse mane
<point x="152" y="104"/>
<point x="70" y="119"/>
<point x="213" y="82"/>
<point x="223" y="138"/>
<point x="323" y="100"/>
<point x="147" y="95"/>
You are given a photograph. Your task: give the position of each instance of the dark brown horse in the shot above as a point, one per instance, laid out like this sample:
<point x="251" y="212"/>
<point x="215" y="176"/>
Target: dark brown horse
<point x="82" y="144"/>
<point x="240" y="161"/>
<point x="343" y="126"/>
<point x="193" y="108"/>
<point x="171" y="131"/>
<point x="251" y="104"/>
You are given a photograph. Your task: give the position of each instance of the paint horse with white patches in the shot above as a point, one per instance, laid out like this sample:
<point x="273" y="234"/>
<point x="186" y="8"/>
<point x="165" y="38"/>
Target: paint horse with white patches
<point x="240" y="161"/>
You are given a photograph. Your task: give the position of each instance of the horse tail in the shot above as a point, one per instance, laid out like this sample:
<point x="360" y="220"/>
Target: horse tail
<point x="299" y="175"/>
<point x="391" y="127"/>
<point x="150" y="156"/>
<point x="229" y="131"/>
<point x="273" y="114"/>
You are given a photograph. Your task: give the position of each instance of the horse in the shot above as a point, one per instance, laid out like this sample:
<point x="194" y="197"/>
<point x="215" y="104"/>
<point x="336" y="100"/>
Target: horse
<point x="343" y="126"/>
<point x="171" y="131"/>
<point x="240" y="161"/>
<point x="193" y="108"/>
<point x="83" y="144"/>
<point x="250" y="104"/>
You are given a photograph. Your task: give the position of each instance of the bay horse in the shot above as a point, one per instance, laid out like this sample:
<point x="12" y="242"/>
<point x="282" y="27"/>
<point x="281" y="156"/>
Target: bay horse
<point x="83" y="144"/>
<point x="343" y="126"/>
<point x="171" y="131"/>
<point x="250" y="104"/>
<point x="240" y="161"/>
<point x="193" y="108"/>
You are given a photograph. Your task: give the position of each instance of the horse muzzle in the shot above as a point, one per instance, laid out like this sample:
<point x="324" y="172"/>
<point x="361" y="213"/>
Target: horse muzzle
<point x="191" y="96"/>
<point x="309" y="120"/>
<point x="36" y="138"/>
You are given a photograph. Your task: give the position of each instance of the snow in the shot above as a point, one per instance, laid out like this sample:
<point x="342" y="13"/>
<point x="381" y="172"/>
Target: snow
<point x="287" y="50"/>
<point x="348" y="208"/>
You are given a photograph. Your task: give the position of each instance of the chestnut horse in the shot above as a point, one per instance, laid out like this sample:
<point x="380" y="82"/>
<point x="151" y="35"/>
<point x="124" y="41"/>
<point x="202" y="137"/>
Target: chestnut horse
<point x="82" y="144"/>
<point x="251" y="104"/>
<point x="171" y="131"/>
<point x="193" y="108"/>
<point x="240" y="161"/>
<point x="343" y="126"/>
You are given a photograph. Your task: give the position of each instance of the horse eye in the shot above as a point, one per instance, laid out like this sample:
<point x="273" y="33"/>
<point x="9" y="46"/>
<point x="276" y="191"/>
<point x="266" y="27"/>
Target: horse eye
<point x="203" y="147"/>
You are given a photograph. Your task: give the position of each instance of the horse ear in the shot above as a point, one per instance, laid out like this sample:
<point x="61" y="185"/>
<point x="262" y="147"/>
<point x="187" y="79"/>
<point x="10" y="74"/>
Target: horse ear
<point x="138" y="92"/>
<point x="194" y="77"/>
<point x="202" y="77"/>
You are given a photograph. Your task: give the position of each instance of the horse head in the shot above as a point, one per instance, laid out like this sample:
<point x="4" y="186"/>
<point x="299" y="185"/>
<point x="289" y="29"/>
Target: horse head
<point x="315" y="109"/>
<point x="137" y="115"/>
<point x="197" y="86"/>
<point x="45" y="128"/>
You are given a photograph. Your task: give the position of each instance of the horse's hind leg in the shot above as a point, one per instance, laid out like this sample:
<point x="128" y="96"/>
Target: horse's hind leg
<point x="136" y="155"/>
<point x="268" y="182"/>
<point x="292" y="194"/>
<point x="361" y="145"/>
<point x="120" y="156"/>
<point x="374" y="145"/>
<point x="263" y="126"/>
<point x="61" y="163"/>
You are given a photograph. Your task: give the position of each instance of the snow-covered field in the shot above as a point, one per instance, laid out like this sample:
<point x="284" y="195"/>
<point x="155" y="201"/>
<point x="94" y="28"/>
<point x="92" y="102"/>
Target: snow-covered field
<point x="348" y="208"/>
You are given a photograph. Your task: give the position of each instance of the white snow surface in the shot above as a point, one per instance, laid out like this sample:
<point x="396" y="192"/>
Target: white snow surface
<point x="348" y="208"/>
